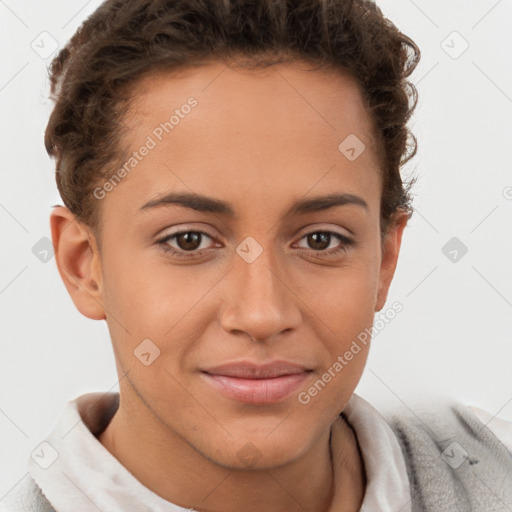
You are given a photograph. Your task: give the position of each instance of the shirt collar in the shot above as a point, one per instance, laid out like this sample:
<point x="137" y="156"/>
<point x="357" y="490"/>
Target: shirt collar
<point x="76" y="472"/>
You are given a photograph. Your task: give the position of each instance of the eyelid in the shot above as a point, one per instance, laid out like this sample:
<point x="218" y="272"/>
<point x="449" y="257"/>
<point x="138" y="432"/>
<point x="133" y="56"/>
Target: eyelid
<point x="180" y="231"/>
<point x="184" y="228"/>
<point x="322" y="228"/>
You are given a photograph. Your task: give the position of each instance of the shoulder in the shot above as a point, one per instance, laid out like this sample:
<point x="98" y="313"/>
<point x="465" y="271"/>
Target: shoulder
<point x="449" y="420"/>
<point x="453" y="456"/>
<point x="26" y="497"/>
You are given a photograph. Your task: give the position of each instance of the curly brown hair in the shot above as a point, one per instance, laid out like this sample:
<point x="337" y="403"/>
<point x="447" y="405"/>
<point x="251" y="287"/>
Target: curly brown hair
<point x="123" y="40"/>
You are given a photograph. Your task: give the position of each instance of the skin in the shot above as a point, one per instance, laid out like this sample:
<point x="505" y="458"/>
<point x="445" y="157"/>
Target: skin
<point x="259" y="140"/>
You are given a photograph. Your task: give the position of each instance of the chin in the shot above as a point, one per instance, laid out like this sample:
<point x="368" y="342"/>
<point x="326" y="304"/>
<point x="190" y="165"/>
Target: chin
<point x="255" y="452"/>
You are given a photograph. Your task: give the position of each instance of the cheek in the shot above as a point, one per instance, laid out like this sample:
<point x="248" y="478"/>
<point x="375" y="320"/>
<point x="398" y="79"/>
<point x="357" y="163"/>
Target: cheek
<point x="147" y="299"/>
<point x="349" y="305"/>
<point x="133" y="302"/>
<point x="345" y="298"/>
<point x="342" y="312"/>
<point x="139" y="287"/>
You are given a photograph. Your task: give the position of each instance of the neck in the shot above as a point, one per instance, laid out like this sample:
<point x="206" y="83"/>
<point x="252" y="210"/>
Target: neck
<point x="167" y="465"/>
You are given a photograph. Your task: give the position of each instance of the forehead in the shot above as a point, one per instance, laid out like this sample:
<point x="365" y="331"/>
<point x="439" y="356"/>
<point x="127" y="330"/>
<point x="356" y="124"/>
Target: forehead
<point x="258" y="132"/>
<point x="317" y="99"/>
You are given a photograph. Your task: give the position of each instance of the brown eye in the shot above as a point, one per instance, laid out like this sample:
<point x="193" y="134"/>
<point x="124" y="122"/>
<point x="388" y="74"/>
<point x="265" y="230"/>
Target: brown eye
<point x="319" y="241"/>
<point x="188" y="241"/>
<point x="185" y="243"/>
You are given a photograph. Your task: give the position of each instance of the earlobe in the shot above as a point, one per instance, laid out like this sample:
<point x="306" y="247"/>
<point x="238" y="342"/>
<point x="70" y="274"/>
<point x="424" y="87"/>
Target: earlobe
<point x="78" y="262"/>
<point x="390" y="253"/>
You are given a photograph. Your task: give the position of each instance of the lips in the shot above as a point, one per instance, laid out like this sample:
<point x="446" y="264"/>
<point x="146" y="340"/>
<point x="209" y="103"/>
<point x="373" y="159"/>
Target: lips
<point x="259" y="384"/>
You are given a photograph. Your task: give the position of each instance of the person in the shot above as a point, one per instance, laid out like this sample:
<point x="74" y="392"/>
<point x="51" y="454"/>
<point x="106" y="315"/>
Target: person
<point x="234" y="211"/>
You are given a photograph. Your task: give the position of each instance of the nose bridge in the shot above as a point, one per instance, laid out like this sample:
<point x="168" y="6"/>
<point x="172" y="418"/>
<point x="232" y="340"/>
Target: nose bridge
<point x="259" y="301"/>
<point x="259" y="272"/>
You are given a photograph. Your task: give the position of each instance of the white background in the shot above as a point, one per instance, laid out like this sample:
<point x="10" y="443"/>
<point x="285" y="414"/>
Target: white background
<point x="453" y="337"/>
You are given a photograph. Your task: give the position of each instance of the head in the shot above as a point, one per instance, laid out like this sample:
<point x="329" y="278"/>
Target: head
<point x="231" y="180"/>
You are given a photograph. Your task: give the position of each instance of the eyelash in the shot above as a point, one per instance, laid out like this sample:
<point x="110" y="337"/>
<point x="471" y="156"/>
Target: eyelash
<point x="346" y="243"/>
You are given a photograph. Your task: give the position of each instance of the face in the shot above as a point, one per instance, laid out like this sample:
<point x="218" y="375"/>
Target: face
<point x="217" y="249"/>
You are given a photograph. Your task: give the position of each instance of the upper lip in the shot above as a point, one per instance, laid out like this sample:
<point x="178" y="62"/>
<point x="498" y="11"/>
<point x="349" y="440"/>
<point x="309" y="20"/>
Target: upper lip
<point x="250" y="370"/>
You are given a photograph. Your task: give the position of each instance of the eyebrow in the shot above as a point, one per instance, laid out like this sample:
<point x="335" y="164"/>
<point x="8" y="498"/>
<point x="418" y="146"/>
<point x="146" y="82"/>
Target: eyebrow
<point x="202" y="203"/>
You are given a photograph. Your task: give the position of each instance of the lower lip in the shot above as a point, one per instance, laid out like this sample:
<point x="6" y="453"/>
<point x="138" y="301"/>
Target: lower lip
<point x="257" y="391"/>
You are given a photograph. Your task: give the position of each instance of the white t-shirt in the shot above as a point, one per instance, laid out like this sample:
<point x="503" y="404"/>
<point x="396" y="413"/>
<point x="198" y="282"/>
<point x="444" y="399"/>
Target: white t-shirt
<point x="76" y="472"/>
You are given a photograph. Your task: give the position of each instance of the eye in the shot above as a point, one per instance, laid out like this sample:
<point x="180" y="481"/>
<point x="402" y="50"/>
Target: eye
<point x="188" y="243"/>
<point x="319" y="241"/>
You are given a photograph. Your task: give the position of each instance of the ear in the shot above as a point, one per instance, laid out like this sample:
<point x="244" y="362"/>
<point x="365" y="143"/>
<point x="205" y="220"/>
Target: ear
<point x="78" y="261"/>
<point x="390" y="251"/>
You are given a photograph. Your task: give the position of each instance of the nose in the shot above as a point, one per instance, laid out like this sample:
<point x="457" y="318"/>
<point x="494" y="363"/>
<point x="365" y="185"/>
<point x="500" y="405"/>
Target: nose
<point x="259" y="299"/>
